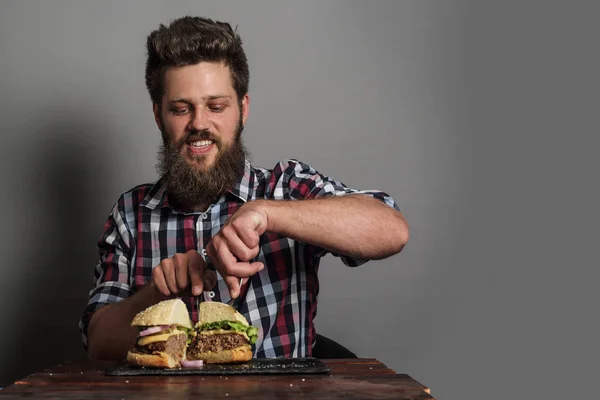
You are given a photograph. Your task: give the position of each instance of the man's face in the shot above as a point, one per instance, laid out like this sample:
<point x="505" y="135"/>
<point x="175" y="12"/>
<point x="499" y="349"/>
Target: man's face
<point x="201" y="123"/>
<point x="199" y="111"/>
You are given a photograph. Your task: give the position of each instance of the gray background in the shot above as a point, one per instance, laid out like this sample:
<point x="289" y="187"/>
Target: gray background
<point x="480" y="118"/>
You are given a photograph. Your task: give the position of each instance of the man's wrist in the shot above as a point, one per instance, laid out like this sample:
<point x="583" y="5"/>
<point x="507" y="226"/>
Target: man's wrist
<point x="270" y="209"/>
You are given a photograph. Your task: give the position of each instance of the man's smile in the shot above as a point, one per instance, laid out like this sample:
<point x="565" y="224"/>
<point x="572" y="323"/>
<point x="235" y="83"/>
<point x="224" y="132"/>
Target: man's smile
<point x="200" y="146"/>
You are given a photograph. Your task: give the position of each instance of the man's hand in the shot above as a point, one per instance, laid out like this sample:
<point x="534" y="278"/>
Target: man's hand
<point x="110" y="334"/>
<point x="175" y="275"/>
<point x="237" y="243"/>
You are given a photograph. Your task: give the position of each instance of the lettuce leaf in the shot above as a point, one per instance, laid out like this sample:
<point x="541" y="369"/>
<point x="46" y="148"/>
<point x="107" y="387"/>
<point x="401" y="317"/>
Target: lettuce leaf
<point x="252" y="333"/>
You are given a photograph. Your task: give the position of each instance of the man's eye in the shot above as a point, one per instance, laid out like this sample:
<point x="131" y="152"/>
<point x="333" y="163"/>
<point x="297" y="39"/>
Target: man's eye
<point x="180" y="111"/>
<point x="216" y="108"/>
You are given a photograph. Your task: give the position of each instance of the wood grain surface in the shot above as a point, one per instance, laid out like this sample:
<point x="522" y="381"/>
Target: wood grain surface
<point x="349" y="379"/>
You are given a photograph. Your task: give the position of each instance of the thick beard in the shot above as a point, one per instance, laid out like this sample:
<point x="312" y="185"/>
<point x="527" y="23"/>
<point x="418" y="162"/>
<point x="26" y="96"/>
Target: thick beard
<point x="190" y="187"/>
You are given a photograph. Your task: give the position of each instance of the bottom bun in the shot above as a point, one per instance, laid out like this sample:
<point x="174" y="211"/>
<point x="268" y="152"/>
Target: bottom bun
<point x="155" y="360"/>
<point x="239" y="354"/>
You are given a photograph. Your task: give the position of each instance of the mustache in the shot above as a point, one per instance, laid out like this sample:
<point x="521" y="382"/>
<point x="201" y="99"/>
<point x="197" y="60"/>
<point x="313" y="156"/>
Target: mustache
<point x="193" y="136"/>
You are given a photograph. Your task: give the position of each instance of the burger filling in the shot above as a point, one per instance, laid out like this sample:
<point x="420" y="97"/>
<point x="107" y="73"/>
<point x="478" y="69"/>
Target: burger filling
<point x="220" y="336"/>
<point x="172" y="341"/>
<point x="215" y="343"/>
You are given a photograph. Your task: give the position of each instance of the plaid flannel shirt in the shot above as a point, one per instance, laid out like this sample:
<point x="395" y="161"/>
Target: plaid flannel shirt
<point x="280" y="301"/>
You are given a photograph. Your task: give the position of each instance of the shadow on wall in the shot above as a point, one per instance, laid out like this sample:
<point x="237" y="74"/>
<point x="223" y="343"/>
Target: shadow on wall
<point x="58" y="254"/>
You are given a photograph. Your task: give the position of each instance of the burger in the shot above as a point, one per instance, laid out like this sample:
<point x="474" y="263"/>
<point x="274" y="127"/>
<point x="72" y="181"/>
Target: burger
<point x="164" y="330"/>
<point x="223" y="335"/>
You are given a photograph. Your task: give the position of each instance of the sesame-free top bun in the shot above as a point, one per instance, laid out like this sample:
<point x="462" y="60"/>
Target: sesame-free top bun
<point x="168" y="312"/>
<point x="214" y="311"/>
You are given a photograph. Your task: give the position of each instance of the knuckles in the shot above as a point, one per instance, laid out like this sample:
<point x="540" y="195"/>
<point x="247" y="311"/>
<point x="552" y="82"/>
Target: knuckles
<point x="228" y="232"/>
<point x="166" y="264"/>
<point x="163" y="271"/>
<point x="237" y="224"/>
<point x="247" y="254"/>
<point x="179" y="260"/>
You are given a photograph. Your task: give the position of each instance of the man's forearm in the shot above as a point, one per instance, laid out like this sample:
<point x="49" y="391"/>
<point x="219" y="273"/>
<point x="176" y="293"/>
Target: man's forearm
<point x="110" y="334"/>
<point x="353" y="225"/>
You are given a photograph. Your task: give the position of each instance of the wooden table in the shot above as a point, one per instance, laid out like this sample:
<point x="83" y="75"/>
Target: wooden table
<point x="363" y="378"/>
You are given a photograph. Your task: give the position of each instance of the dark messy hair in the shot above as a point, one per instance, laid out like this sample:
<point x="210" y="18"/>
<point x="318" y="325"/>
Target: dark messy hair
<point x="188" y="41"/>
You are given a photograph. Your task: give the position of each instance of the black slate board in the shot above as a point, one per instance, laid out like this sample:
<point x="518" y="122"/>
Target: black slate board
<point x="254" y="366"/>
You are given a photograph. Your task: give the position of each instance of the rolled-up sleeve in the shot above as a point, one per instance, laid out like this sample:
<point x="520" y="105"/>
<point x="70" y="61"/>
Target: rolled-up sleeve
<point x="301" y="181"/>
<point x="112" y="274"/>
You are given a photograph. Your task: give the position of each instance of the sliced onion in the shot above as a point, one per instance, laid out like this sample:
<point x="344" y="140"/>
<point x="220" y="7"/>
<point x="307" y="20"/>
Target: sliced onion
<point x="154" y="329"/>
<point x="191" y="363"/>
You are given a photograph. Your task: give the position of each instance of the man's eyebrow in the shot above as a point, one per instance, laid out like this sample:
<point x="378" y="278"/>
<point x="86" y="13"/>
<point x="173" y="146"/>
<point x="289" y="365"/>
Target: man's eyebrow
<point x="189" y="101"/>
<point x="218" y="96"/>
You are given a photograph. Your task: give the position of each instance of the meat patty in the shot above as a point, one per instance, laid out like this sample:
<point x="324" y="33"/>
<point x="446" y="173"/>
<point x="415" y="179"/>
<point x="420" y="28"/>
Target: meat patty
<point x="175" y="344"/>
<point x="215" y="343"/>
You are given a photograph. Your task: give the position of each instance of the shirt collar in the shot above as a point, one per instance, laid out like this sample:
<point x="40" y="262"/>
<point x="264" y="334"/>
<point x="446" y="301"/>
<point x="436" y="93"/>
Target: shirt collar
<point x="242" y="189"/>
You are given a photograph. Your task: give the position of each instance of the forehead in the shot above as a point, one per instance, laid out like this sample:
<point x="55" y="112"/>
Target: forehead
<point x="198" y="80"/>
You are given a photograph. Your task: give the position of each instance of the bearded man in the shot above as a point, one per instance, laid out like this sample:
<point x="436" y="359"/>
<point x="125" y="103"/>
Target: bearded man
<point x="212" y="210"/>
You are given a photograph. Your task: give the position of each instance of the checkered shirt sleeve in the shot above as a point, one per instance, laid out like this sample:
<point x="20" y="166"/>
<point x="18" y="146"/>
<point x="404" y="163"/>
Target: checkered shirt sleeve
<point x="111" y="277"/>
<point x="305" y="182"/>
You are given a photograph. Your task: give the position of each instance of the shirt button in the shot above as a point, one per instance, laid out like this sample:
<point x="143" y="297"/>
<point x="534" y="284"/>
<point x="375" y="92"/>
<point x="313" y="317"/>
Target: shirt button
<point x="204" y="215"/>
<point x="211" y="294"/>
<point x="204" y="252"/>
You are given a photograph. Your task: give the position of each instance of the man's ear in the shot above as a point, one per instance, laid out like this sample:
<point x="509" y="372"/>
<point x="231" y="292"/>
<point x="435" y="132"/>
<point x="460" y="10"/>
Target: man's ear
<point x="245" y="108"/>
<point x="157" y="118"/>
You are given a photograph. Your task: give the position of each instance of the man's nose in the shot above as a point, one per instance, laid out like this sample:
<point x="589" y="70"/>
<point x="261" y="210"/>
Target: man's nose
<point x="200" y="121"/>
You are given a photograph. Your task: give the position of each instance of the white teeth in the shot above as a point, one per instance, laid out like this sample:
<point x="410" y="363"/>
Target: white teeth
<point x="202" y="143"/>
